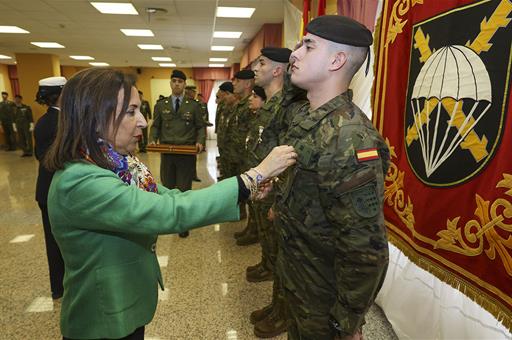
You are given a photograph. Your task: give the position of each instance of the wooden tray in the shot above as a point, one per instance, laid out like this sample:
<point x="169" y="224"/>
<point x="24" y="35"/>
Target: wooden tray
<point x="171" y="148"/>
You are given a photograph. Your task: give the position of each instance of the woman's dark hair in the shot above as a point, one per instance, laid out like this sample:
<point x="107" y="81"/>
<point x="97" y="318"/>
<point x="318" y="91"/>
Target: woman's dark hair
<point x="88" y="108"/>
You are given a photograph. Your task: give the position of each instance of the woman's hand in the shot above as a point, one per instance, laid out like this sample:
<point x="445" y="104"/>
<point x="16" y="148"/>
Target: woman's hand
<point x="280" y="158"/>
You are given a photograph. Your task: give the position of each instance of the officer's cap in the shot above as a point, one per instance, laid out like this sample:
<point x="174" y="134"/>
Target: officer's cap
<point x="3" y="92"/>
<point x="226" y="86"/>
<point x="190" y="87"/>
<point x="260" y="92"/>
<point x="340" y="29"/>
<point x="281" y="55"/>
<point x="178" y="74"/>
<point x="53" y="81"/>
<point x="244" y="74"/>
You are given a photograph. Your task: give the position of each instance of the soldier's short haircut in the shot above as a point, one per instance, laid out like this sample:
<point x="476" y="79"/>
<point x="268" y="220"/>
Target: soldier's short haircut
<point x="355" y="55"/>
<point x="18" y="96"/>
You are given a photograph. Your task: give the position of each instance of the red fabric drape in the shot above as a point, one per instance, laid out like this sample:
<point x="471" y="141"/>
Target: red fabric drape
<point x="210" y="73"/>
<point x="363" y="11"/>
<point x="205" y="88"/>
<point x="270" y="35"/>
<point x="305" y="15"/>
<point x="13" y="77"/>
<point x="321" y="7"/>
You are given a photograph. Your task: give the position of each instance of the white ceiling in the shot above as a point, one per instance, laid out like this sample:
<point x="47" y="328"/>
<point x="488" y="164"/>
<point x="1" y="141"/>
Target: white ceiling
<point x="185" y="30"/>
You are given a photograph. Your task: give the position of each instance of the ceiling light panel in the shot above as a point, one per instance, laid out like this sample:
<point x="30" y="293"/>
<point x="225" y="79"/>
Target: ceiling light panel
<point x="215" y="65"/>
<point x="46" y="44"/>
<point x="4" y="56"/>
<point x="161" y="58"/>
<point x="115" y="8"/>
<point x="150" y="47"/>
<point x="223" y="48"/>
<point x="235" y="12"/>
<point x="12" y="29"/>
<point x="81" y="57"/>
<point x="218" y="59"/>
<point x="167" y="65"/>
<point x="228" y="35"/>
<point x="99" y="64"/>
<point x="137" y="33"/>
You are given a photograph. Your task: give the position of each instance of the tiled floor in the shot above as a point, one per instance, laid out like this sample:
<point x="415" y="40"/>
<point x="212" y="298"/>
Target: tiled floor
<point x="206" y="296"/>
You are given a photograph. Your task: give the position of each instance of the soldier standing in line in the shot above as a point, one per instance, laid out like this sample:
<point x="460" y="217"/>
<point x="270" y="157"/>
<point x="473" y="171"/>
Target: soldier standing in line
<point x="190" y="94"/>
<point x="7" y="118"/>
<point x="24" y="125"/>
<point x="333" y="250"/>
<point x="178" y="121"/>
<point x="145" y="109"/>
<point x="225" y="109"/>
<point x="270" y="71"/>
<point x="237" y="133"/>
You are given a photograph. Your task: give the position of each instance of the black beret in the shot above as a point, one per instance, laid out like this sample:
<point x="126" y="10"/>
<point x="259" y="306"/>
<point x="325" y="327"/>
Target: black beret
<point x="244" y="74"/>
<point x="281" y="55"/>
<point x="341" y="29"/>
<point x="178" y="74"/>
<point x="260" y="92"/>
<point x="226" y="86"/>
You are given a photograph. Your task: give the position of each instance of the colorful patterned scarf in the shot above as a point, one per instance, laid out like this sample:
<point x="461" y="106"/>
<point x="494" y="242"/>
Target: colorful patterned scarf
<point x="129" y="168"/>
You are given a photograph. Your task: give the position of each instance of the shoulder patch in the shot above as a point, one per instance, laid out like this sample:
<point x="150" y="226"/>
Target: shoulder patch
<point x="365" y="201"/>
<point x="365" y="155"/>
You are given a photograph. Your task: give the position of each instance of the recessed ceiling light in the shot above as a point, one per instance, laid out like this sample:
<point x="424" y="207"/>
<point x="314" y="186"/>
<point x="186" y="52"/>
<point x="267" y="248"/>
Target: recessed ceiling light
<point x="219" y="59"/>
<point x="161" y="58"/>
<point x="229" y="35"/>
<point x="150" y="47"/>
<point x="99" y="64"/>
<point x="46" y="44"/>
<point x="235" y="12"/>
<point x="167" y="65"/>
<point x="115" y="8"/>
<point x="223" y="48"/>
<point x="81" y="57"/>
<point x="137" y="33"/>
<point x="5" y="56"/>
<point x="12" y="29"/>
<point x="215" y="65"/>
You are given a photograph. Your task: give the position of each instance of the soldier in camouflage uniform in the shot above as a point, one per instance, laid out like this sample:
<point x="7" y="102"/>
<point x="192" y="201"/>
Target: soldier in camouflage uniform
<point x="225" y="109"/>
<point x="333" y="250"/>
<point x="178" y="121"/>
<point x="236" y="134"/>
<point x="7" y="119"/>
<point x="270" y="70"/>
<point x="24" y="122"/>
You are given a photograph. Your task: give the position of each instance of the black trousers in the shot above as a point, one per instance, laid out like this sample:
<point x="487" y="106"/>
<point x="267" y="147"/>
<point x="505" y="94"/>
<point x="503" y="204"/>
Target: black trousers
<point x="177" y="171"/>
<point x="10" y="137"/>
<point x="137" y="335"/>
<point x="55" y="262"/>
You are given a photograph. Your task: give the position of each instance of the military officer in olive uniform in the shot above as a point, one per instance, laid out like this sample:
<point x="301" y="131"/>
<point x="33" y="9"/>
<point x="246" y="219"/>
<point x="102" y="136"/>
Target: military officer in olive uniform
<point x="178" y="121"/>
<point x="145" y="109"/>
<point x="24" y="125"/>
<point x="333" y="250"/>
<point x="7" y="120"/>
<point x="225" y="110"/>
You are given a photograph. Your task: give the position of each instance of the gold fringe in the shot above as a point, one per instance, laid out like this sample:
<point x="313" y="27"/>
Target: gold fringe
<point x="501" y="312"/>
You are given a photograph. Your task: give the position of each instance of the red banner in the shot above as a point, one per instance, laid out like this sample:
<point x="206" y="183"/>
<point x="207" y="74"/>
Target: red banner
<point x="442" y="100"/>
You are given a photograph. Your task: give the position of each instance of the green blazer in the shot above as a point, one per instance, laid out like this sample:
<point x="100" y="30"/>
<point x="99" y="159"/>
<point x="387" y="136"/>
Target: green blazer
<point x="107" y="233"/>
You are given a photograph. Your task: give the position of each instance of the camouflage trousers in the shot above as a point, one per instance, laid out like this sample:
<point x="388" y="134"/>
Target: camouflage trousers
<point x="266" y="233"/>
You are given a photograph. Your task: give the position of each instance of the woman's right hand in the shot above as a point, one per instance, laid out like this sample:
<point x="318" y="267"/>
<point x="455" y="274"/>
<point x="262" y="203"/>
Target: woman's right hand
<point x="280" y="158"/>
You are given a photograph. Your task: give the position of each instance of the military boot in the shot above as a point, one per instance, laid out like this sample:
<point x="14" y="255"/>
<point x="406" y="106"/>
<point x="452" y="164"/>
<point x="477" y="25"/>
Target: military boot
<point x="239" y="234"/>
<point x="271" y="326"/>
<point x="259" y="275"/>
<point x="260" y="314"/>
<point x="247" y="239"/>
<point x="255" y="267"/>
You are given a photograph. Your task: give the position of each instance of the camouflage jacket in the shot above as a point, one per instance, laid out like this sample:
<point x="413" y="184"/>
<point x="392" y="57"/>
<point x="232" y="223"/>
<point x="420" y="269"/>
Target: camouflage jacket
<point x="226" y="123"/>
<point x="237" y="129"/>
<point x="333" y="249"/>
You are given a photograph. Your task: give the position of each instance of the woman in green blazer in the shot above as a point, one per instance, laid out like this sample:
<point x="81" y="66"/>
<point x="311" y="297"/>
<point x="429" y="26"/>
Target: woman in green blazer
<point x="106" y="209"/>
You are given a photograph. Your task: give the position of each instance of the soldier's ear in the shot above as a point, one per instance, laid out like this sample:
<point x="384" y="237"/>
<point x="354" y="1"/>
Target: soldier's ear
<point x="338" y="60"/>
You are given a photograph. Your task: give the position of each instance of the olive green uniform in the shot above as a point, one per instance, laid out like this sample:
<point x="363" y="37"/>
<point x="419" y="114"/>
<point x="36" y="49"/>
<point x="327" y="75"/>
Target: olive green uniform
<point x="23" y="118"/>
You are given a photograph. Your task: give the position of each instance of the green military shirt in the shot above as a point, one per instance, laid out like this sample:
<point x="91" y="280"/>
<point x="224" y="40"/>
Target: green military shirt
<point x="241" y="123"/>
<point x="333" y="250"/>
<point x="23" y="116"/>
<point x="7" y="111"/>
<point x="226" y="112"/>
<point x="219" y="116"/>
<point x="145" y="109"/>
<point x="185" y="127"/>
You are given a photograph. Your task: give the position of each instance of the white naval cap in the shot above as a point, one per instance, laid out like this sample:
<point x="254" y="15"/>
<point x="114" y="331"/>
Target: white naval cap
<point x="53" y="81"/>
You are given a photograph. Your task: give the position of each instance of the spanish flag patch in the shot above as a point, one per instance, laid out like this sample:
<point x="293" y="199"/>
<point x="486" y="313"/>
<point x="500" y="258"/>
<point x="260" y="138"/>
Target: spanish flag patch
<point x="367" y="155"/>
